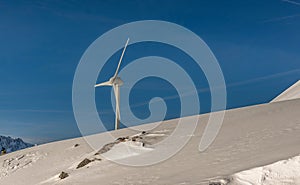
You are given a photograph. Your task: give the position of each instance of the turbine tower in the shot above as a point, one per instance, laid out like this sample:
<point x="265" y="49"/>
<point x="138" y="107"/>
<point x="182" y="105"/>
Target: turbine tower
<point x="116" y="82"/>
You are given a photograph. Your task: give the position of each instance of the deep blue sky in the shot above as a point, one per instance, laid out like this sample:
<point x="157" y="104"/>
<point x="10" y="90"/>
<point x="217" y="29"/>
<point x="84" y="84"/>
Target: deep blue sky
<point x="41" y="42"/>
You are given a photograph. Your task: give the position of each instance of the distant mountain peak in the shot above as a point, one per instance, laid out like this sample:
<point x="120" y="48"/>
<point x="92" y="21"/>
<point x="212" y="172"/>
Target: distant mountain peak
<point x="12" y="144"/>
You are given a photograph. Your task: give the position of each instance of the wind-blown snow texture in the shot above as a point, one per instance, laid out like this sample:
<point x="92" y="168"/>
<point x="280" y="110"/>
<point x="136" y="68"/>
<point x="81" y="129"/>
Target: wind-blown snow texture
<point x="11" y="144"/>
<point x="285" y="172"/>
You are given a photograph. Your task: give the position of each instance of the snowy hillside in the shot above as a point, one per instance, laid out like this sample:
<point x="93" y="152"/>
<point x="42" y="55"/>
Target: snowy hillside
<point x="285" y="172"/>
<point x="293" y="92"/>
<point x="11" y="144"/>
<point x="250" y="137"/>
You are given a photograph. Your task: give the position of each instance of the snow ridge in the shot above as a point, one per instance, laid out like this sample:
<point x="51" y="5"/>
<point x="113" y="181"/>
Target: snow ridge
<point x="285" y="172"/>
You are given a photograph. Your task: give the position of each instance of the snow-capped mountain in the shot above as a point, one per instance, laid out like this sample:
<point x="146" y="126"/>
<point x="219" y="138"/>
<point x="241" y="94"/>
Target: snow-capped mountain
<point x="11" y="144"/>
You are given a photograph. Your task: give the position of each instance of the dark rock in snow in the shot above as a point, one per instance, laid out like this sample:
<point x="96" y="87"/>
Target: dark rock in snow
<point x="223" y="181"/>
<point x="107" y="147"/>
<point x="63" y="175"/>
<point x="84" y="163"/>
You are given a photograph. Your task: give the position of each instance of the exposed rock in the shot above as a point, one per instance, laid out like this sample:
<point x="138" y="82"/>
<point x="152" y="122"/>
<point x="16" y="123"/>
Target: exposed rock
<point x="107" y="147"/>
<point x="84" y="163"/>
<point x="137" y="138"/>
<point x="223" y="181"/>
<point x="142" y="137"/>
<point x="63" y="175"/>
<point x="121" y="139"/>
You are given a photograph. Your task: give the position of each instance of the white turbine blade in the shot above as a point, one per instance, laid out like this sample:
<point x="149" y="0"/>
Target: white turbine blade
<point x="116" y="73"/>
<point x="108" y="83"/>
<point x="117" y="96"/>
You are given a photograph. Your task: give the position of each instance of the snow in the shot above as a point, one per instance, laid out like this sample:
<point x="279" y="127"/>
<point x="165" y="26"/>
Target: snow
<point x="17" y="162"/>
<point x="126" y="149"/>
<point x="284" y="172"/>
<point x="291" y="93"/>
<point x="250" y="138"/>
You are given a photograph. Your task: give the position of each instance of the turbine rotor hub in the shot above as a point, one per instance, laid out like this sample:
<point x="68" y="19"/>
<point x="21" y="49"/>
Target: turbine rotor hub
<point x="117" y="81"/>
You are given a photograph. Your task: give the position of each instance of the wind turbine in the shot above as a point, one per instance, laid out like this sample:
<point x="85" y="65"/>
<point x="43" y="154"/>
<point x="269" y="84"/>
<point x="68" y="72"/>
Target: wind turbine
<point x="116" y="82"/>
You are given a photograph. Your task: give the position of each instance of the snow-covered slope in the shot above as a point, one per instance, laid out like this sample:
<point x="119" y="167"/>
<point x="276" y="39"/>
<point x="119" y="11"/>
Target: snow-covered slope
<point x="250" y="137"/>
<point x="292" y="92"/>
<point x="11" y="144"/>
<point x="285" y="172"/>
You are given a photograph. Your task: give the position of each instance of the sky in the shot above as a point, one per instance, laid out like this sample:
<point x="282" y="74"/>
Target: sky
<point x="41" y="43"/>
